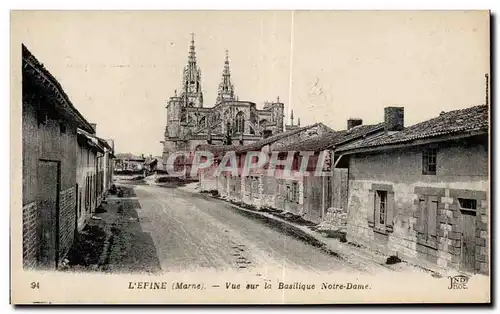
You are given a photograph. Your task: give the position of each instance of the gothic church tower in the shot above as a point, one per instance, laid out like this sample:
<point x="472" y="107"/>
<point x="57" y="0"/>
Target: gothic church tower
<point x="192" y="94"/>
<point x="226" y="88"/>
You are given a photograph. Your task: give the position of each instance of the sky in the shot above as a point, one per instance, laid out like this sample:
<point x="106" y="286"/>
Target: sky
<point x="120" y="68"/>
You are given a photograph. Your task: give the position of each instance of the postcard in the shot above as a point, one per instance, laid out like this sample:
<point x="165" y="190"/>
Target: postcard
<point x="250" y="157"/>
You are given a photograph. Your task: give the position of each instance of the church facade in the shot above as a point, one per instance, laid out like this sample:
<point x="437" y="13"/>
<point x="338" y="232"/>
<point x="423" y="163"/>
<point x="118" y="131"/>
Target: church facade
<point x="228" y="121"/>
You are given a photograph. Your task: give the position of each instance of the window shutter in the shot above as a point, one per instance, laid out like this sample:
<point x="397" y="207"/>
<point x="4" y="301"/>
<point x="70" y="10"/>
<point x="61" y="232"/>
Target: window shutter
<point x="371" y="211"/>
<point x="390" y="212"/>
<point x="422" y="220"/>
<point x="432" y="216"/>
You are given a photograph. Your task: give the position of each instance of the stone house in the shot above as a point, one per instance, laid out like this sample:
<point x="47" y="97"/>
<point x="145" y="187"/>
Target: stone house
<point x="252" y="189"/>
<point x="49" y="145"/>
<point x="94" y="174"/>
<point x="312" y="195"/>
<point x="107" y="162"/>
<point x="422" y="192"/>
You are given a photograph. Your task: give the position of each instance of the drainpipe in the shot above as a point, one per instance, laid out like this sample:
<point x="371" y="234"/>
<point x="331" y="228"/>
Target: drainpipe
<point x="325" y="186"/>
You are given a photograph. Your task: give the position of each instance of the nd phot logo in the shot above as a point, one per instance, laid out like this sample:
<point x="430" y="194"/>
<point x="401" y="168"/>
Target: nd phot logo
<point x="458" y="282"/>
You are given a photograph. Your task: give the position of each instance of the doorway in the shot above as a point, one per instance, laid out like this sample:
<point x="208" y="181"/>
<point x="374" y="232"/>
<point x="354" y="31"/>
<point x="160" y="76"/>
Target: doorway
<point x="467" y="223"/>
<point x="48" y="210"/>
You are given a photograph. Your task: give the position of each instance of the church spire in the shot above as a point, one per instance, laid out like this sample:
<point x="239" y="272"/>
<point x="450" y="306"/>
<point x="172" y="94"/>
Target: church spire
<point x="226" y="88"/>
<point x="191" y="82"/>
<point x="192" y="52"/>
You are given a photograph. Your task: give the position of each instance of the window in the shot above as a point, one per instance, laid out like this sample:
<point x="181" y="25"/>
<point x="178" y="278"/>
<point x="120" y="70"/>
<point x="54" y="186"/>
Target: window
<point x="293" y="192"/>
<point x="429" y="161"/>
<point x="296" y="163"/>
<point x="62" y="127"/>
<point x="382" y="217"/>
<point x="296" y="191"/>
<point x="468" y="206"/>
<point x="254" y="187"/>
<point x="203" y="122"/>
<point x="380" y="209"/>
<point x="240" y="122"/>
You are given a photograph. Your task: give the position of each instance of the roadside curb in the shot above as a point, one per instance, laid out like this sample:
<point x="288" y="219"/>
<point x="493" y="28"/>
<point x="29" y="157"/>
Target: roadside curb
<point x="301" y="233"/>
<point x="343" y="252"/>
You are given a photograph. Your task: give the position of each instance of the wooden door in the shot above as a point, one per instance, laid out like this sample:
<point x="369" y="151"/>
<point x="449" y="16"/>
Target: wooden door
<point x="313" y="200"/>
<point x="339" y="188"/>
<point x="317" y="192"/>
<point x="47" y="203"/>
<point x="468" y="229"/>
<point x="328" y="192"/>
<point x="432" y="224"/>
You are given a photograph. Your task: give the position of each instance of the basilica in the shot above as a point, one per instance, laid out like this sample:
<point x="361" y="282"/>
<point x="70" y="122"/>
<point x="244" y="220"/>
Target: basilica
<point x="228" y="121"/>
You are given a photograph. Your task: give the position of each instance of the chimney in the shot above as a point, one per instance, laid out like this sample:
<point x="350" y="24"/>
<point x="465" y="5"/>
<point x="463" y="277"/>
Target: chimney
<point x="352" y="122"/>
<point x="112" y="144"/>
<point x="394" y="118"/>
<point x="94" y="126"/>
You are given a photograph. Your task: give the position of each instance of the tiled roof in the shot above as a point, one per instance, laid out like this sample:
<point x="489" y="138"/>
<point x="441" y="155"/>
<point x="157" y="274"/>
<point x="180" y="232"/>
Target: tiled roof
<point x="274" y="138"/>
<point x="333" y="138"/>
<point x="90" y="139"/>
<point x="473" y="119"/>
<point x="217" y="149"/>
<point x="127" y="156"/>
<point x="103" y="143"/>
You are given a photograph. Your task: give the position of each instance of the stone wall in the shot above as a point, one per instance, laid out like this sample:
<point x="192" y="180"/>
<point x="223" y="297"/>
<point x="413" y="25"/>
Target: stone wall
<point x="268" y="191"/>
<point x="30" y="235"/>
<point x="208" y="180"/>
<point x="67" y="221"/>
<point x="400" y="171"/>
<point x="335" y="220"/>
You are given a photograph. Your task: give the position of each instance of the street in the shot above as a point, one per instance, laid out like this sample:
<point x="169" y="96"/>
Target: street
<point x="191" y="231"/>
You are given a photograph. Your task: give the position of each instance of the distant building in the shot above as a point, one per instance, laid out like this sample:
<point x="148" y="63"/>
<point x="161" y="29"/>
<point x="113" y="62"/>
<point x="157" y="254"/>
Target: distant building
<point x="292" y="126"/>
<point x="94" y="161"/>
<point x="129" y="162"/>
<point x="229" y="121"/>
<point x="257" y="189"/>
<point x="312" y="196"/>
